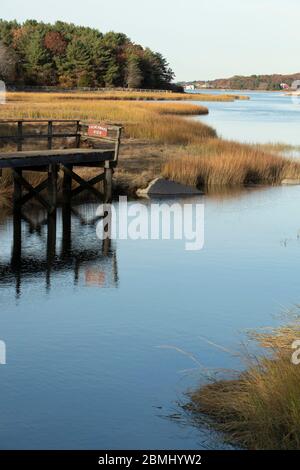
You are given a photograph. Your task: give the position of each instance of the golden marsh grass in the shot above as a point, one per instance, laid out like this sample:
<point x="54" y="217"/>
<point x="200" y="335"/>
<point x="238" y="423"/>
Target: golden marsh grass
<point x="260" y="409"/>
<point x="160" y="122"/>
<point x="121" y="96"/>
<point x="217" y="163"/>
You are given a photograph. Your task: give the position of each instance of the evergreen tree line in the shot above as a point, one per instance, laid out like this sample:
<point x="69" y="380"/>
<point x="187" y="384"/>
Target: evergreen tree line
<point x="68" y="56"/>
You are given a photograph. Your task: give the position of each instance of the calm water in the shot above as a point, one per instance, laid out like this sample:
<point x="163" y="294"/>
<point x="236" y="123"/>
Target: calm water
<point x="91" y="330"/>
<point x="266" y="117"/>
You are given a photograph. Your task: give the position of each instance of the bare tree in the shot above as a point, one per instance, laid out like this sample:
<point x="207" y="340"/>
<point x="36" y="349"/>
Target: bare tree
<point x="7" y="64"/>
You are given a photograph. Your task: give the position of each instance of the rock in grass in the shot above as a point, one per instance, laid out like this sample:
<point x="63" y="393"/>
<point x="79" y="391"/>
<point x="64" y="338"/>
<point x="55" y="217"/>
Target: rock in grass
<point x="164" y="187"/>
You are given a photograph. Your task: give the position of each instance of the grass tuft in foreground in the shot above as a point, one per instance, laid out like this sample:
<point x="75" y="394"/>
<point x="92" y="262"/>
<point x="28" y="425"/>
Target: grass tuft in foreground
<point x="261" y="408"/>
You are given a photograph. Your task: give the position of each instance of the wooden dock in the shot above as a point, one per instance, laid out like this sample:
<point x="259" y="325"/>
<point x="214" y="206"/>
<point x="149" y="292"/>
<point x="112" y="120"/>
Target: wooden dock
<point x="50" y="160"/>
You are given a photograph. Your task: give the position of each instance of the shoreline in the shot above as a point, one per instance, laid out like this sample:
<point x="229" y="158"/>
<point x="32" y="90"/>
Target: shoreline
<point x="159" y="141"/>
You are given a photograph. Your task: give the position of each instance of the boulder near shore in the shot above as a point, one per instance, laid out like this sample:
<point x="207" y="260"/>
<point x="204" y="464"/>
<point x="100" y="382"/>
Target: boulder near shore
<point x="164" y="187"/>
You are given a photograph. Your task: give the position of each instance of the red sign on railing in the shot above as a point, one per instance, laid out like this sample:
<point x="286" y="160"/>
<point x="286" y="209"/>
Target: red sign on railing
<point x="95" y="130"/>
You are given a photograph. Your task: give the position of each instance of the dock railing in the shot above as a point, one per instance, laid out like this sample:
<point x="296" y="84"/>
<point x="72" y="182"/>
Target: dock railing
<point x="83" y="131"/>
<point x="51" y="160"/>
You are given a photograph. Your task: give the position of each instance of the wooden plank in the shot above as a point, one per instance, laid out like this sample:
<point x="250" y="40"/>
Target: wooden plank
<point x="97" y="139"/>
<point x="101" y="164"/>
<point x="38" y="136"/>
<point x="55" y="152"/>
<point x="47" y="157"/>
<point x="37" y="120"/>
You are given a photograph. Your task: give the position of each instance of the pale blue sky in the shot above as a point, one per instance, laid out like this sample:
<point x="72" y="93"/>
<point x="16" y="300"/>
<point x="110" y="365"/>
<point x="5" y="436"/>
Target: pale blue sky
<point x="203" y="39"/>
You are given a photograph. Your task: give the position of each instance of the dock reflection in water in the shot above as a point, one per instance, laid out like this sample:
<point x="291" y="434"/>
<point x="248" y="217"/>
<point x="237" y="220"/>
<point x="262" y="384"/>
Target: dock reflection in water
<point x="45" y="245"/>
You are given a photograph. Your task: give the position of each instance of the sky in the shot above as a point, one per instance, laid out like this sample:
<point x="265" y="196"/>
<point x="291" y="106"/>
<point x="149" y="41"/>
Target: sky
<point x="202" y="39"/>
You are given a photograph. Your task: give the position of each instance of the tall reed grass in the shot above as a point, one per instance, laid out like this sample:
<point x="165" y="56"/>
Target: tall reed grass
<point x="217" y="163"/>
<point x="260" y="409"/>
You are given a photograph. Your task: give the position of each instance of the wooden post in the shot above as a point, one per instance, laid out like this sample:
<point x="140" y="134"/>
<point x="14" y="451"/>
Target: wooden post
<point x="52" y="186"/>
<point x="50" y="131"/>
<point x="67" y="185"/>
<point x="78" y="136"/>
<point x="107" y="183"/>
<point x="118" y="142"/>
<point x="20" y="136"/>
<point x="17" y="188"/>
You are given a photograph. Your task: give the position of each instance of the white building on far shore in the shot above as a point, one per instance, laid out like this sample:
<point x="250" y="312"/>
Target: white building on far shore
<point x="189" y="88"/>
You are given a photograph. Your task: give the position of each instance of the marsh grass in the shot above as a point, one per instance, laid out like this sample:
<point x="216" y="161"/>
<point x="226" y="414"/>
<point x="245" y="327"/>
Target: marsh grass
<point x="158" y="122"/>
<point x="121" y="96"/>
<point x="217" y="163"/>
<point x="260" y="409"/>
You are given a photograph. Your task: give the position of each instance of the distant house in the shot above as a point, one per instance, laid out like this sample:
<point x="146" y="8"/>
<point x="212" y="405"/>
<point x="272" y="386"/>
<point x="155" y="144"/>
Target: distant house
<point x="189" y="88"/>
<point x="296" y="85"/>
<point x="284" y="86"/>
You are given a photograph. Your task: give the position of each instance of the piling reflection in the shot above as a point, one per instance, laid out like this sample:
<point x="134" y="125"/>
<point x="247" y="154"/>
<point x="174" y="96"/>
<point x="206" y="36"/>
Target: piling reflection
<point x="44" y="245"/>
